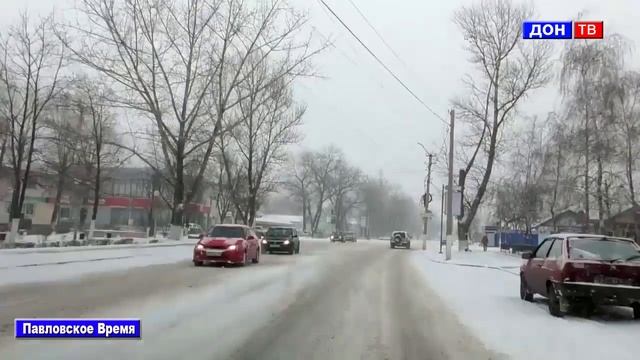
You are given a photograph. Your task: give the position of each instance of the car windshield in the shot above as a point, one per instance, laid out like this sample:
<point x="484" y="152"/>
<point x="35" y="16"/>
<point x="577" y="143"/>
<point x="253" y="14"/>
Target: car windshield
<point x="226" y="232"/>
<point x="400" y="234"/>
<point x="605" y="249"/>
<point x="279" y="232"/>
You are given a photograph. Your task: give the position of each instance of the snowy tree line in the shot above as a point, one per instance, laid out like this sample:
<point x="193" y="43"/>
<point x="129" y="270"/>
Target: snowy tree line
<point x="326" y="185"/>
<point x="186" y="87"/>
<point x="199" y="91"/>
<point x="522" y="168"/>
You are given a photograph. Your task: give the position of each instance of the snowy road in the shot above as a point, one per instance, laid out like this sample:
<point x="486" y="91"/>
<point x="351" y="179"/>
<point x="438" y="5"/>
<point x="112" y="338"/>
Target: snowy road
<point x="333" y="301"/>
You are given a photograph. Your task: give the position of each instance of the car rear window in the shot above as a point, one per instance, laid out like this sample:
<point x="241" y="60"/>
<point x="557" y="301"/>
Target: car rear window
<point x="226" y="232"/>
<point x="279" y="232"/>
<point x="607" y="249"/>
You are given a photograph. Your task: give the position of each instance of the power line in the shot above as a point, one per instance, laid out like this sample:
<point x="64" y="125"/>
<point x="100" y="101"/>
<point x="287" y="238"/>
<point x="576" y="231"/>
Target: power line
<point x="383" y="64"/>
<point x="364" y="17"/>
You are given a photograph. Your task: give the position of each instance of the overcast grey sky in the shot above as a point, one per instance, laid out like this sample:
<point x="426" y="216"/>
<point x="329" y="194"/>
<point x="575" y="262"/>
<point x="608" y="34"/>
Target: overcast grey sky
<point x="363" y="110"/>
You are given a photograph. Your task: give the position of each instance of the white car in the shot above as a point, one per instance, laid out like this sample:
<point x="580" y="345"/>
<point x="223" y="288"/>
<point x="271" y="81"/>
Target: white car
<point x="193" y="230"/>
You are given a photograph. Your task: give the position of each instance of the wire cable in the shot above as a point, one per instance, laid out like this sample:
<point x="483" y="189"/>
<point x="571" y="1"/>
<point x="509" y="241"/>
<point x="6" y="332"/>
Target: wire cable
<point x="364" y="17"/>
<point x="383" y="64"/>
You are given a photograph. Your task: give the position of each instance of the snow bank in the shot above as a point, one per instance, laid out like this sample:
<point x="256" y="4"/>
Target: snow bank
<point x="483" y="290"/>
<point x="20" y="268"/>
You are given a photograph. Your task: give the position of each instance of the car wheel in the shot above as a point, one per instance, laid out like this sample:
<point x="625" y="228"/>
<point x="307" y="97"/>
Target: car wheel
<point x="409" y="246"/>
<point x="298" y="249"/>
<point x="554" y="302"/>
<point x="292" y="250"/>
<point x="197" y="263"/>
<point x="636" y="311"/>
<point x="525" y="294"/>
<point x="256" y="259"/>
<point x="392" y="246"/>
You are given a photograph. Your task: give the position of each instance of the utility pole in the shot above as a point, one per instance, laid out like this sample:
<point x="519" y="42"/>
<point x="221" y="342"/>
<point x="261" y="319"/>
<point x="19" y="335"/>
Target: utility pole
<point x="450" y="188"/>
<point x="427" y="200"/>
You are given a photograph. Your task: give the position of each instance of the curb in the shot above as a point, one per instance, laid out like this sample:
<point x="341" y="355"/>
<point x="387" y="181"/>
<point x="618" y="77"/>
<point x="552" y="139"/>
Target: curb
<point x="499" y="268"/>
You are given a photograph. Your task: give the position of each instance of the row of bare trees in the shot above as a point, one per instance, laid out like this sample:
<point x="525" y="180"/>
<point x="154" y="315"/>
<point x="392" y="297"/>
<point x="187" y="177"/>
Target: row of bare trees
<point x="583" y="154"/>
<point x="327" y="186"/>
<point x="207" y="87"/>
<point x="586" y="155"/>
<point x="48" y="117"/>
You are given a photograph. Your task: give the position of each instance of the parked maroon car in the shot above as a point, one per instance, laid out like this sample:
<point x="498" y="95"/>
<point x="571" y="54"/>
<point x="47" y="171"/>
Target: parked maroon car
<point x="227" y="244"/>
<point x="583" y="271"/>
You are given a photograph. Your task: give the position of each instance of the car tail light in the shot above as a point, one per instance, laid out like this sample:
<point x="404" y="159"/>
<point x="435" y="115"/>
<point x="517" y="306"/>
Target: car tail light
<point x="573" y="271"/>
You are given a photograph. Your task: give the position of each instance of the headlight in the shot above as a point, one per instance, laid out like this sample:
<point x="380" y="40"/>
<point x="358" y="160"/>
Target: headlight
<point x="264" y="241"/>
<point x="286" y="242"/>
<point x="199" y="247"/>
<point x="331" y="237"/>
<point x="232" y="247"/>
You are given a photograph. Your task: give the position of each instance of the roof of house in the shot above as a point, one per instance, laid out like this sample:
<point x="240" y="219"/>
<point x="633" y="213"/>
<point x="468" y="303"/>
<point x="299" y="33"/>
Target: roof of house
<point x="280" y="219"/>
<point x="575" y="209"/>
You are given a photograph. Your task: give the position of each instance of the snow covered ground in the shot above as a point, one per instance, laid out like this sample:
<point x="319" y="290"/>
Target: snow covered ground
<point x="483" y="290"/>
<point x="19" y="266"/>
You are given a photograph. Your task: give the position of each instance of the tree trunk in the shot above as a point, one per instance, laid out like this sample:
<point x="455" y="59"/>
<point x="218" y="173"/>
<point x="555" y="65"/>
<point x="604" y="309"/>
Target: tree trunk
<point x="465" y="225"/>
<point x="96" y="196"/>
<point x="3" y="150"/>
<point x="16" y="209"/>
<point x="304" y="213"/>
<point x="629" y="171"/>
<point x="27" y="169"/>
<point x="586" y="167"/>
<point x="599" y="194"/>
<point x="177" y="225"/>
<point x="56" y="205"/>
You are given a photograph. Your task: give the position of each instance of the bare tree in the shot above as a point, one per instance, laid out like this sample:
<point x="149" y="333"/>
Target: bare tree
<point x="58" y="151"/>
<point x="96" y="135"/>
<point x="519" y="197"/>
<point x="345" y="181"/>
<point x="508" y="70"/>
<point x="179" y="63"/>
<point x="30" y="63"/>
<point x="589" y="71"/>
<point x="269" y="122"/>
<point x="223" y="188"/>
<point x="628" y="99"/>
<point x="321" y="165"/>
<point x="299" y="185"/>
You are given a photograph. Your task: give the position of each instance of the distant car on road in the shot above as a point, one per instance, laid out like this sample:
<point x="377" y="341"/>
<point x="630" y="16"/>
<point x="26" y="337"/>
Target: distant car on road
<point x="349" y="236"/>
<point x="400" y="239"/>
<point x="336" y="236"/>
<point x="193" y="230"/>
<point x="227" y="244"/>
<point x="282" y="239"/>
<point x="583" y="271"/>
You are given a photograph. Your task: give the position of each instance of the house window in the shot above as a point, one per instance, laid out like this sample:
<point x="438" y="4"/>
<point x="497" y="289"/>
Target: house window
<point x="28" y="209"/>
<point x="65" y="213"/>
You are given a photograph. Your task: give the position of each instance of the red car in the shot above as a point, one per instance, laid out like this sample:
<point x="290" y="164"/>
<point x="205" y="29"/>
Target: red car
<point x="227" y="244"/>
<point x="583" y="271"/>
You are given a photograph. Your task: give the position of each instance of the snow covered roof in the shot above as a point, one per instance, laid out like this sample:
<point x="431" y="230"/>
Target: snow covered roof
<point x="576" y="209"/>
<point x="280" y="219"/>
